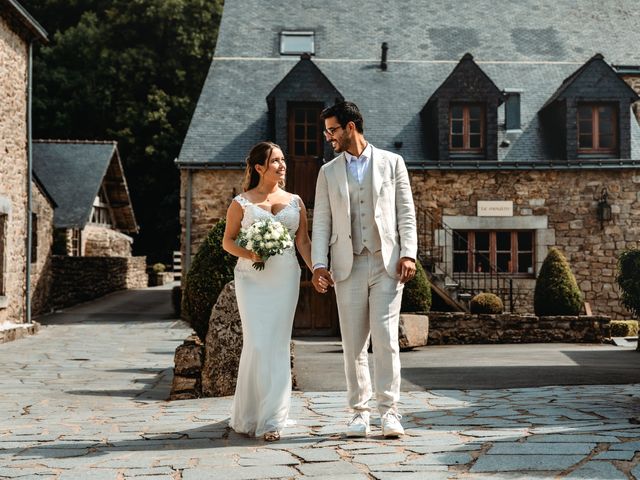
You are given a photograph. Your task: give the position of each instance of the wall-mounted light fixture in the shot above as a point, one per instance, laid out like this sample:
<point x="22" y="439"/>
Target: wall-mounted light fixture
<point x="604" y="209"/>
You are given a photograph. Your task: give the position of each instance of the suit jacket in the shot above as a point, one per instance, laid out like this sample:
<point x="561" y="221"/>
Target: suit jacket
<point x="394" y="213"/>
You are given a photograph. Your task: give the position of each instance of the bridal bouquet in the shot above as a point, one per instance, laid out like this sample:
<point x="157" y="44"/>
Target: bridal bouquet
<point x="266" y="238"/>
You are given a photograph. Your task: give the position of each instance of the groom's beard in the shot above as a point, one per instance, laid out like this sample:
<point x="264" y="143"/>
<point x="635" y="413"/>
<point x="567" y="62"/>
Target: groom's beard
<point x="341" y="144"/>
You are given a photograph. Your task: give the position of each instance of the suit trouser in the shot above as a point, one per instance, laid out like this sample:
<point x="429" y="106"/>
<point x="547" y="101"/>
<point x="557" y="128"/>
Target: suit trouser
<point x="369" y="305"/>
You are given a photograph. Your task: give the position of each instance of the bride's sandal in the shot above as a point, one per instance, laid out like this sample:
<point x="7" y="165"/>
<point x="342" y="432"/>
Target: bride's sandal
<point x="271" y="437"/>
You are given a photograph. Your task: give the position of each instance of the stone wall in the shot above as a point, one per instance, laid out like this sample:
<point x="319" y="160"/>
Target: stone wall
<point x="466" y="328"/>
<point x="212" y="192"/>
<point x="41" y="267"/>
<point x="105" y="242"/>
<point x="80" y="279"/>
<point x="13" y="171"/>
<point x="566" y="202"/>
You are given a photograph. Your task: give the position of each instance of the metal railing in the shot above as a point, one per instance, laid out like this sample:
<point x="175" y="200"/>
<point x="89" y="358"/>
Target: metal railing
<point x="436" y="253"/>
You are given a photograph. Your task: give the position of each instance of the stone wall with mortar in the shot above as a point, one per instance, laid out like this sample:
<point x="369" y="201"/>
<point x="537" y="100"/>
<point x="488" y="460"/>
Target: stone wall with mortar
<point x="566" y="202"/>
<point x="13" y="172"/>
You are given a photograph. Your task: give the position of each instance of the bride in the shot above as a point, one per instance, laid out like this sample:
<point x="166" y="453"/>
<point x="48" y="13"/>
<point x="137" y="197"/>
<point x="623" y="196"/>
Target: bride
<point x="266" y="298"/>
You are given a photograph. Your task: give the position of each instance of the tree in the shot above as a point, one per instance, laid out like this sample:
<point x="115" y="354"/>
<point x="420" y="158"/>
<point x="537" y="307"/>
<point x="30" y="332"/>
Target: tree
<point x="130" y="71"/>
<point x="556" y="291"/>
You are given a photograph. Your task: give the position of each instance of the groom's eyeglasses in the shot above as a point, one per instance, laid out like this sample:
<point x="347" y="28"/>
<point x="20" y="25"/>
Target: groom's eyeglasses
<point x="329" y="132"/>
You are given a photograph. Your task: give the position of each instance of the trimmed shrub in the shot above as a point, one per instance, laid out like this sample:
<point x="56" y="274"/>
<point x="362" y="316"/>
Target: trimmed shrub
<point x="628" y="279"/>
<point x="556" y="291"/>
<point x="176" y="300"/>
<point x="159" y="267"/>
<point x="624" y="328"/>
<point x="486" y="303"/>
<point x="416" y="296"/>
<point x="210" y="271"/>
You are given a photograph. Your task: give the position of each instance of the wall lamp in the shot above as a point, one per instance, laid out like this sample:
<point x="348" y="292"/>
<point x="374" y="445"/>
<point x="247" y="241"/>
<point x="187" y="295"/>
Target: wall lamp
<point x="604" y="208"/>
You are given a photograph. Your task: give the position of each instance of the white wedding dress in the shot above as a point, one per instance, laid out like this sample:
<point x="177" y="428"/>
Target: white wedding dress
<point x="267" y="302"/>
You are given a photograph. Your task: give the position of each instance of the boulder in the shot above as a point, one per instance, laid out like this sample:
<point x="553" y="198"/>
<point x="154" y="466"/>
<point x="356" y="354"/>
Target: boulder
<point x="413" y="330"/>
<point x="187" y="370"/>
<point x="223" y="346"/>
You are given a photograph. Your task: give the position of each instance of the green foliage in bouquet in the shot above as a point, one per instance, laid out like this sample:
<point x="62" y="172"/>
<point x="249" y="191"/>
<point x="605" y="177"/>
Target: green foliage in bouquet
<point x="486" y="303"/>
<point x="628" y="279"/>
<point x="211" y="270"/>
<point x="417" y="292"/>
<point x="556" y="292"/>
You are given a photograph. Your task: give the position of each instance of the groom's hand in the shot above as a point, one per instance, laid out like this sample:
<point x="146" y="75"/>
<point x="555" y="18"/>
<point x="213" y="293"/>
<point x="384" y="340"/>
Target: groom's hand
<point x="321" y="279"/>
<point x="406" y="269"/>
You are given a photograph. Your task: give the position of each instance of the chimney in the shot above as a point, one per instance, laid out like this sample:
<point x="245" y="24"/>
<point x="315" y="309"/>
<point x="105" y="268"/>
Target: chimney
<point x="383" y="62"/>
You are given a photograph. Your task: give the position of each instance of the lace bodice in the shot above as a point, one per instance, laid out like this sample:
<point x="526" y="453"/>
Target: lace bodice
<point x="289" y="216"/>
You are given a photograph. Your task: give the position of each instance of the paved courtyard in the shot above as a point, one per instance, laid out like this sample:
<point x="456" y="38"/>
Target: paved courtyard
<point x="86" y="399"/>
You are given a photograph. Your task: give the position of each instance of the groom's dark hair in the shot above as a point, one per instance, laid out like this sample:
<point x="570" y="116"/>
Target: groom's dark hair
<point x="345" y="112"/>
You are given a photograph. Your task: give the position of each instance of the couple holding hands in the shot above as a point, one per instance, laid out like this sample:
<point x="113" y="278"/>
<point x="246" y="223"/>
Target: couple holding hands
<point x="364" y="218"/>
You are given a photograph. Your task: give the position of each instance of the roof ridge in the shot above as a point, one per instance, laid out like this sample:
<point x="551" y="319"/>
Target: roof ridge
<point x="58" y="140"/>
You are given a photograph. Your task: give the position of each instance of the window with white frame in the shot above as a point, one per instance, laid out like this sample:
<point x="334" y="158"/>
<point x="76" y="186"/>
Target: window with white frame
<point x="297" y="43"/>
<point x="101" y="213"/>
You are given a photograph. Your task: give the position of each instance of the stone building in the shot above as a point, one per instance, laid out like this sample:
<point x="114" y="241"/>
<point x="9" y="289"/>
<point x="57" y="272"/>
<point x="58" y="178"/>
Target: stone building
<point x="94" y="215"/>
<point x="516" y="123"/>
<point x="25" y="207"/>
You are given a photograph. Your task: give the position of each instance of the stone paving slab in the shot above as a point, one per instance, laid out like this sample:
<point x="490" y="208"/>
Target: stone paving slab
<point x="87" y="399"/>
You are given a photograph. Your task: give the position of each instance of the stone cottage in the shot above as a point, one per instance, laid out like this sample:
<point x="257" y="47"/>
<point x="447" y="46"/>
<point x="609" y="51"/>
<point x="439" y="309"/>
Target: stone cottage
<point x="26" y="209"/>
<point x="516" y="122"/>
<point x="94" y="215"/>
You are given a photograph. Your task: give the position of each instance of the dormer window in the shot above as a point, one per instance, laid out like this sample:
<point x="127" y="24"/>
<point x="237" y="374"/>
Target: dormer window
<point x="597" y="127"/>
<point x="297" y="43"/>
<point x="461" y="117"/>
<point x="466" y="128"/>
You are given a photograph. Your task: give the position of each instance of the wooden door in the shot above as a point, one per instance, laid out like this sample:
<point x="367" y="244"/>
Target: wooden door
<point x="316" y="314"/>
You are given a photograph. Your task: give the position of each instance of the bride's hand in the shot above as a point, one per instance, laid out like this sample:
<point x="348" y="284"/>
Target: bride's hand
<point x="254" y="257"/>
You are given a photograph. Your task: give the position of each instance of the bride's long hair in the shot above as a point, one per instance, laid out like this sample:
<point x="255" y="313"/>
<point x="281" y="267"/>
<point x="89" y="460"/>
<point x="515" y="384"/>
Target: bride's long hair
<point x="259" y="155"/>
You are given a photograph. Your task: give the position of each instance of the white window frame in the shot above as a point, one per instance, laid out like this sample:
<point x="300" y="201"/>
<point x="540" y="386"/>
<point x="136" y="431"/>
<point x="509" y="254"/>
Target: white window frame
<point x="291" y="34"/>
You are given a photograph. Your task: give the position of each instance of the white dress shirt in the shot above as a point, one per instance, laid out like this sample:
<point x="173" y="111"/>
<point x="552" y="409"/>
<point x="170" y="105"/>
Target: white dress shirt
<point x="358" y="166"/>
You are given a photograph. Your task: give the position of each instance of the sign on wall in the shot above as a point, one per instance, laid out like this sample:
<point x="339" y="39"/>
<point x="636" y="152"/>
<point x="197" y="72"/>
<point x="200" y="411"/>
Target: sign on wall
<point x="495" y="208"/>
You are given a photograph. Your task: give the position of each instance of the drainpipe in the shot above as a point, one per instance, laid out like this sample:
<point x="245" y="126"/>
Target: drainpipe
<point x="187" y="224"/>
<point x="29" y="182"/>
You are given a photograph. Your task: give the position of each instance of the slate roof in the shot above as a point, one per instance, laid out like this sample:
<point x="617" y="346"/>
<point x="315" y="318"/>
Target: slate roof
<point x="73" y="172"/>
<point x="530" y="45"/>
<point x="13" y="10"/>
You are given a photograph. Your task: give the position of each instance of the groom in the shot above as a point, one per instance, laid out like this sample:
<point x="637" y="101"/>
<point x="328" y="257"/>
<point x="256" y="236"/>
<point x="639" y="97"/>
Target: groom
<point x="364" y="217"/>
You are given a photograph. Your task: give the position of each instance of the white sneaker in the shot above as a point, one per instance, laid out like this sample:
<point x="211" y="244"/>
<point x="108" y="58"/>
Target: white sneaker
<point x="391" y="426"/>
<point x="358" y="426"/>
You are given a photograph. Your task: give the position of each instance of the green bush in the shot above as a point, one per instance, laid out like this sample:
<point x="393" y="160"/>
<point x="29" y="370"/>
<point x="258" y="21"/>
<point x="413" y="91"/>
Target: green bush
<point x="624" y="328"/>
<point x="628" y="279"/>
<point x="486" y="303"/>
<point x="159" y="267"/>
<point x="417" y="292"/>
<point x="211" y="269"/>
<point x="556" y="291"/>
<point x="176" y="300"/>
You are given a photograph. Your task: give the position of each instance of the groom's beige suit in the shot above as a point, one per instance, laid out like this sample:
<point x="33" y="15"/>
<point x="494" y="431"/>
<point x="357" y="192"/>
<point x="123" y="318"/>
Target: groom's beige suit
<point x="366" y="225"/>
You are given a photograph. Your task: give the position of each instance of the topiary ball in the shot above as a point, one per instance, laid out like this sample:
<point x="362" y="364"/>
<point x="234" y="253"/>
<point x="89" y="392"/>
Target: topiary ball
<point x="486" y="303"/>
<point x="416" y="296"/>
<point x="556" y="292"/>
